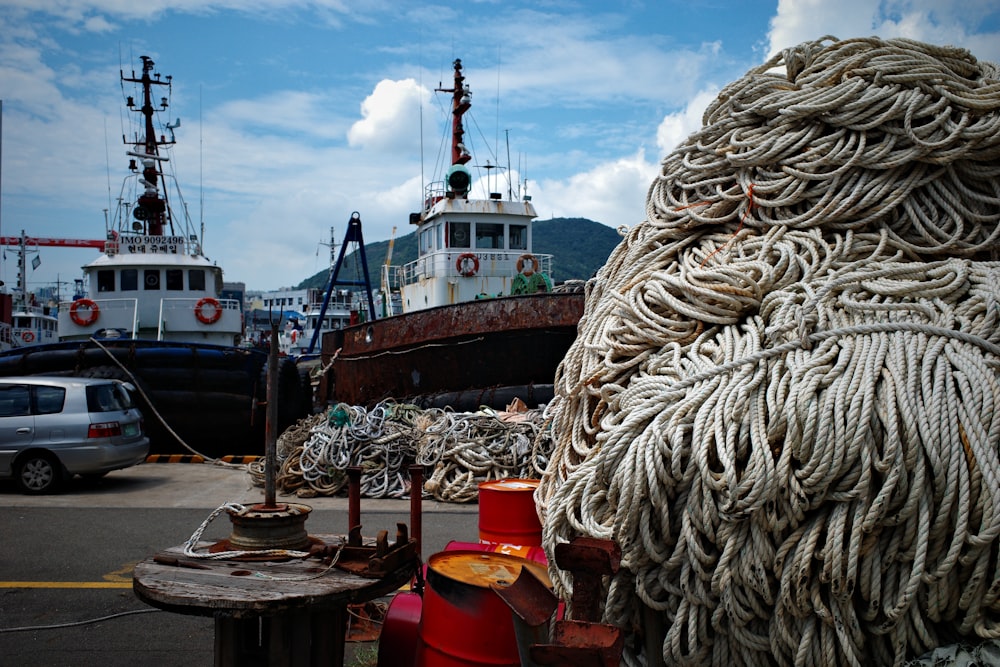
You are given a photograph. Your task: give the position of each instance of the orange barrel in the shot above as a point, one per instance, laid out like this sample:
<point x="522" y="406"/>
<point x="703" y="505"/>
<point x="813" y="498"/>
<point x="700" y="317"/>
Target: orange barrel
<point x="507" y="512"/>
<point x="463" y="622"/>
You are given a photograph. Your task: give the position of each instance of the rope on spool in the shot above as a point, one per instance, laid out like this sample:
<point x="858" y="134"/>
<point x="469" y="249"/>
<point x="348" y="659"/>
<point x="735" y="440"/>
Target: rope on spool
<point x="783" y="401"/>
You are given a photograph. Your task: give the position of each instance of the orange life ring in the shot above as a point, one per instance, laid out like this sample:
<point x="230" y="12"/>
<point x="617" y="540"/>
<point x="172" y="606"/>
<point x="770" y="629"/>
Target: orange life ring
<point x="527" y="258"/>
<point x="467" y="264"/>
<point x="295" y="335"/>
<point x="200" y="313"/>
<point x="27" y="336"/>
<point x="79" y="319"/>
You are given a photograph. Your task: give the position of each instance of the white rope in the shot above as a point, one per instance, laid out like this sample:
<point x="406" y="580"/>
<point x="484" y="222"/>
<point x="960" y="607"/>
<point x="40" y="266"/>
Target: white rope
<point x="191" y="545"/>
<point x="462" y="450"/>
<point x="783" y="401"/>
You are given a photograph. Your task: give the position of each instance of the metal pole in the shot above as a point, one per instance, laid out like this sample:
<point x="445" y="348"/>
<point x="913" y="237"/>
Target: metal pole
<point x="271" y="423"/>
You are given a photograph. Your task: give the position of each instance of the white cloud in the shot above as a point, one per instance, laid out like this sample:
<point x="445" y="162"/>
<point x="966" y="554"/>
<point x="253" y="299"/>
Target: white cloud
<point x="613" y="193"/>
<point x="929" y="21"/>
<point x="676" y="127"/>
<point x="390" y="116"/>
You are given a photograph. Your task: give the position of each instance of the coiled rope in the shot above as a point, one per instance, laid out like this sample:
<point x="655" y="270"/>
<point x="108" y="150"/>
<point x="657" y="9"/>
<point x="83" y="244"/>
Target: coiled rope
<point x="784" y="398"/>
<point x="460" y="450"/>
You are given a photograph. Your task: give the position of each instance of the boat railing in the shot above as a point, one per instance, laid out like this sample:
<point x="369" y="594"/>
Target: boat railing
<point x="448" y="264"/>
<point x="119" y="313"/>
<point x="434" y="192"/>
<point x="194" y="314"/>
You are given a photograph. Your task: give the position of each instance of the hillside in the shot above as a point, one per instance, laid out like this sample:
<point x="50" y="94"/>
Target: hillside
<point x="579" y="246"/>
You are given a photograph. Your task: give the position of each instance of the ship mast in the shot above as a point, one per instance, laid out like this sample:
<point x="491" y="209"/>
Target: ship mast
<point x="461" y="101"/>
<point x="151" y="212"/>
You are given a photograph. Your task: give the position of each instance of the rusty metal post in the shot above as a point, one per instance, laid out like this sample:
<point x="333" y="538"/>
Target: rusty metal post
<point x="416" y="500"/>
<point x="589" y="560"/>
<point x="532" y="605"/>
<point x="353" y="497"/>
<point x="585" y="642"/>
<point x="271" y="422"/>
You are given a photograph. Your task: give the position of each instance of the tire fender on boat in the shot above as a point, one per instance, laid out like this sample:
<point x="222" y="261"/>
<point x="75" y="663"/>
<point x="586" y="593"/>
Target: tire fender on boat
<point x="527" y="258"/>
<point x="467" y="264"/>
<point x="81" y="320"/>
<point x="199" y="310"/>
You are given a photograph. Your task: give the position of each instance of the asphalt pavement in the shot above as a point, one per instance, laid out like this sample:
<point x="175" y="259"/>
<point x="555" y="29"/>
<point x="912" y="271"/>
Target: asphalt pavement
<point x="66" y="560"/>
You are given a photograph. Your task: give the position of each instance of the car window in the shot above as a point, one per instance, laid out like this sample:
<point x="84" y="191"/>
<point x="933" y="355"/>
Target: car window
<point x="49" y="400"/>
<point x="14" y="401"/>
<point x="107" y="398"/>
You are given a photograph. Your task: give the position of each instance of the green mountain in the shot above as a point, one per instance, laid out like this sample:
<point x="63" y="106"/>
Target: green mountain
<point x="579" y="247"/>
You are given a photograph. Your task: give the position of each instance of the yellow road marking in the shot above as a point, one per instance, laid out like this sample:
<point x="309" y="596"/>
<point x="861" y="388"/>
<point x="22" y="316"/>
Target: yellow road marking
<point x="65" y="584"/>
<point x="121" y="575"/>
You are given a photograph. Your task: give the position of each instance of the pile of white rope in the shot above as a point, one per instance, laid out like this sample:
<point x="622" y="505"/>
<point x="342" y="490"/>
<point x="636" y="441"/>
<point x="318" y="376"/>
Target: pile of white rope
<point x="458" y="450"/>
<point x="784" y="398"/>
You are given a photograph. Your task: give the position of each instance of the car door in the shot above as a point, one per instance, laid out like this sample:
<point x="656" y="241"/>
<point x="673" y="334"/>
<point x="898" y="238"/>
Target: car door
<point x="17" y="424"/>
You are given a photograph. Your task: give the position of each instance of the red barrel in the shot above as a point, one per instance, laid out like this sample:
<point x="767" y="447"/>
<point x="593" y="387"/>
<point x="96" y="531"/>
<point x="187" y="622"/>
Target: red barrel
<point x="463" y="622"/>
<point x="507" y="512"/>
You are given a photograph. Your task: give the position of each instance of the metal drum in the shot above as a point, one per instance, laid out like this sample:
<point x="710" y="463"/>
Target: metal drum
<point x="463" y="622"/>
<point x="507" y="512"/>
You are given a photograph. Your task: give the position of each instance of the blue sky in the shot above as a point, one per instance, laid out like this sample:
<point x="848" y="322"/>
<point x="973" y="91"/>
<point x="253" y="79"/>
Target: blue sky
<point x="295" y="113"/>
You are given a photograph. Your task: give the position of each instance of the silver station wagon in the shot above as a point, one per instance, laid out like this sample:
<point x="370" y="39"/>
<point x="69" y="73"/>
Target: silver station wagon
<point x="52" y="428"/>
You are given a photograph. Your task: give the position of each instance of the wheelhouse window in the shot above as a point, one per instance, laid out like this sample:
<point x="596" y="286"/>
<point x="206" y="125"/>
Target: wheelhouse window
<point x="106" y="281"/>
<point x="175" y="279"/>
<point x="426" y="241"/>
<point x="196" y="279"/>
<point x="130" y="280"/>
<point x="517" y="237"/>
<point x="458" y="235"/>
<point x="489" y="235"/>
<point x="151" y="278"/>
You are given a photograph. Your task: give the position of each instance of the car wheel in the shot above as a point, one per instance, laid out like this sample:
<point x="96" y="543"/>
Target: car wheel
<point x="38" y="472"/>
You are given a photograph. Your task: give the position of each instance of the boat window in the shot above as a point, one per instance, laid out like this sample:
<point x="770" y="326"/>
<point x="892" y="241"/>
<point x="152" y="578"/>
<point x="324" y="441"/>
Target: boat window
<point x="426" y="241"/>
<point x="489" y="235"/>
<point x="518" y="237"/>
<point x="151" y="278"/>
<point x="440" y="236"/>
<point x="130" y="280"/>
<point x="196" y="279"/>
<point x="458" y="235"/>
<point x="106" y="281"/>
<point x="175" y="279"/>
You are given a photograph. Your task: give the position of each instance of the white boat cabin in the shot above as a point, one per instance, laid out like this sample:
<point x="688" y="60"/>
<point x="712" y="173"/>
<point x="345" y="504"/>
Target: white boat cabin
<point x="471" y="248"/>
<point x="33" y="325"/>
<point x="149" y="287"/>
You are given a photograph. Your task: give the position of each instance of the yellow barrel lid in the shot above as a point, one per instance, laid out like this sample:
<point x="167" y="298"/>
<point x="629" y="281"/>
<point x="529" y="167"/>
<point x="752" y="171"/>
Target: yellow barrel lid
<point x="510" y="484"/>
<point x="484" y="568"/>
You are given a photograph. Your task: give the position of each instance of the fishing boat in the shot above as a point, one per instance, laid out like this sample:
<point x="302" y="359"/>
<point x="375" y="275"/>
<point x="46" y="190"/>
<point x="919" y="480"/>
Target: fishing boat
<point x="155" y="312"/>
<point x="481" y="321"/>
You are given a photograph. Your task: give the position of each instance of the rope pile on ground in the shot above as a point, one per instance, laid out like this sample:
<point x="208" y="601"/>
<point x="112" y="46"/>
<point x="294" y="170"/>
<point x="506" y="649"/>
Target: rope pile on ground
<point x="459" y="450"/>
<point x="784" y="398"/>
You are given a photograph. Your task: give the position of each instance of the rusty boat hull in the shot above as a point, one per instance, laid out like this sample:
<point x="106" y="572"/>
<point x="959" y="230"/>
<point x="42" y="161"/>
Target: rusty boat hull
<point x="481" y="352"/>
